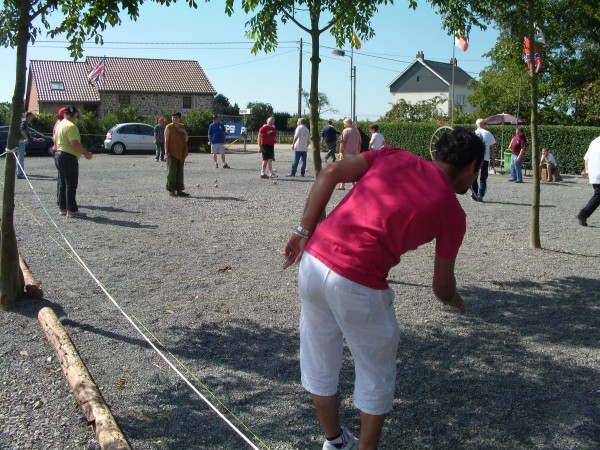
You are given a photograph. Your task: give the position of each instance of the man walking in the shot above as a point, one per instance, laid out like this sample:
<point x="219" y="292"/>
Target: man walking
<point x="23" y="142"/>
<point x="592" y="170"/>
<point x="300" y="146"/>
<point x="329" y="136"/>
<point x="518" y="144"/>
<point x="176" y="150"/>
<point x="478" y="190"/>
<point x="342" y="281"/>
<point x="159" y="139"/>
<point x="216" y="139"/>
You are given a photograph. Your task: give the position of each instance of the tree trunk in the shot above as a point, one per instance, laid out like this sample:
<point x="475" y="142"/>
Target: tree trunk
<point x="534" y="235"/>
<point x="11" y="277"/>
<point x="313" y="99"/>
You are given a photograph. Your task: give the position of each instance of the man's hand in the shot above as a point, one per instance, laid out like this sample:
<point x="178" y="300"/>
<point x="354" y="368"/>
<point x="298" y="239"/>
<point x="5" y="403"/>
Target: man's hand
<point x="457" y="302"/>
<point x="293" y="250"/>
<point x="167" y="156"/>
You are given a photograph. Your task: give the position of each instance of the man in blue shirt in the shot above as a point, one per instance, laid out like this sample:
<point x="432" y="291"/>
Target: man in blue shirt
<point x="329" y="135"/>
<point x="216" y="139"/>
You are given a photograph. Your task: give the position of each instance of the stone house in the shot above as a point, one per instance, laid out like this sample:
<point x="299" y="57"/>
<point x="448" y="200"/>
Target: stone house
<point x="149" y="85"/>
<point x="424" y="80"/>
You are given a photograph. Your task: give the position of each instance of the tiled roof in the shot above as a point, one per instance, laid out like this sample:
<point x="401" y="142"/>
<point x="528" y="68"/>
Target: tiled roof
<point x="444" y="70"/>
<point x="153" y="75"/>
<point x="73" y="75"/>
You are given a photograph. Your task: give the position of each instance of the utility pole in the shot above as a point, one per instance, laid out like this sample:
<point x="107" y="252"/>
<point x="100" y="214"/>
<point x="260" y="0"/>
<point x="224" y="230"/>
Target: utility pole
<point x="300" y="83"/>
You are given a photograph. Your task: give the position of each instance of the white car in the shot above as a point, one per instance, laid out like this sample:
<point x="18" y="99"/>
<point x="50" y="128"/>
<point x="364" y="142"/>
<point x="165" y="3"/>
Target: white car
<point x="130" y="137"/>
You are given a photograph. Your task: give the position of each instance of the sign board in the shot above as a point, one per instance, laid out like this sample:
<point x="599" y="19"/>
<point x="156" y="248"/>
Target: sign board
<point x="235" y="130"/>
<point x="245" y="111"/>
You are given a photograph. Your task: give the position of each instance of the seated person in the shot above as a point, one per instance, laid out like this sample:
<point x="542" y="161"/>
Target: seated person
<point x="551" y="165"/>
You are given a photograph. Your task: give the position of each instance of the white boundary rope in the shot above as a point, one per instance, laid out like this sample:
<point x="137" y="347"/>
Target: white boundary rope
<point x="146" y="338"/>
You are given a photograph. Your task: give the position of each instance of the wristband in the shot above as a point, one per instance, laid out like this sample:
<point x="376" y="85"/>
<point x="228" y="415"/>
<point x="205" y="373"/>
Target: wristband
<point x="301" y="231"/>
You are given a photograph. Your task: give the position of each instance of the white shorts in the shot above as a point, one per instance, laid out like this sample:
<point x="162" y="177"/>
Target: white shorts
<point x="334" y="308"/>
<point x="217" y="148"/>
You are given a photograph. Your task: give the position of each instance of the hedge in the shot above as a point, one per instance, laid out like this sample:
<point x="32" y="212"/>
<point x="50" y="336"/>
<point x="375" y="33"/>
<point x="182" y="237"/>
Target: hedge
<point x="567" y="143"/>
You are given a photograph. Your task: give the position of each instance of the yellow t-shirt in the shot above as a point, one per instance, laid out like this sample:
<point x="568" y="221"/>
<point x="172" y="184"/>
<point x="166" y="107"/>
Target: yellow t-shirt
<point x="66" y="132"/>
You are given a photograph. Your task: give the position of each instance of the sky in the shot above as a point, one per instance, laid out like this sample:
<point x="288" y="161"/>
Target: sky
<point x="220" y="45"/>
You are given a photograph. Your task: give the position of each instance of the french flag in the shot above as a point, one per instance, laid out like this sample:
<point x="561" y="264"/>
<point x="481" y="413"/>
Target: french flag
<point x="98" y="72"/>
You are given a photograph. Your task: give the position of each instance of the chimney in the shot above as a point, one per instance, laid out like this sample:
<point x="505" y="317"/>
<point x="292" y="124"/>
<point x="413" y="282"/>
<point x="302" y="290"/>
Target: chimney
<point x="420" y="55"/>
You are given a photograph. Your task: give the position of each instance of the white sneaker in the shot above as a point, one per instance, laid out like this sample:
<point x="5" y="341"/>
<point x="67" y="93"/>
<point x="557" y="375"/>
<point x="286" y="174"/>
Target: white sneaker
<point x="345" y="441"/>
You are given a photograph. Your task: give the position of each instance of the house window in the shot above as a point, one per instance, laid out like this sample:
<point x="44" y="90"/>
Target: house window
<point x="187" y="102"/>
<point x="57" y="86"/>
<point x="124" y="100"/>
<point x="418" y="79"/>
<point x="461" y="99"/>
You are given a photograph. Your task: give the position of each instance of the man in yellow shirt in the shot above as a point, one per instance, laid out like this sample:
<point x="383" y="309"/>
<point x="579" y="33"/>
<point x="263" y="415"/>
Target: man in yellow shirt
<point x="68" y="152"/>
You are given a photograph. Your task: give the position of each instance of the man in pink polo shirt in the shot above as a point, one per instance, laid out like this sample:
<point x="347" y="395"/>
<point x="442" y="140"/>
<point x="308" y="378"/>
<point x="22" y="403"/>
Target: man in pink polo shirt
<point x="345" y="260"/>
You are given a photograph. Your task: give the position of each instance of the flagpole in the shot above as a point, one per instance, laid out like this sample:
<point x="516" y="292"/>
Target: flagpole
<point x="451" y="103"/>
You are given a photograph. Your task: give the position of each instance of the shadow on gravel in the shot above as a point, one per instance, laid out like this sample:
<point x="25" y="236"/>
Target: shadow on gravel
<point x="518" y="204"/>
<point x="108" y="209"/>
<point x="118" y="223"/>
<point x="205" y="197"/>
<point x="504" y="376"/>
<point x="253" y="370"/>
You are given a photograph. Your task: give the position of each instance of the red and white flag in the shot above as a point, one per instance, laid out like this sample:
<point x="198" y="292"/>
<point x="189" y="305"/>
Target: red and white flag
<point x="460" y="41"/>
<point x="98" y="72"/>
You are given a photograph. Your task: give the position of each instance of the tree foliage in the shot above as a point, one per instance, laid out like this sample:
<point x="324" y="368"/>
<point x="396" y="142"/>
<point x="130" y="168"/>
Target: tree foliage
<point x="568" y="83"/>
<point x="222" y="106"/>
<point x="260" y="113"/>
<point x="323" y="104"/>
<point x="421" y="111"/>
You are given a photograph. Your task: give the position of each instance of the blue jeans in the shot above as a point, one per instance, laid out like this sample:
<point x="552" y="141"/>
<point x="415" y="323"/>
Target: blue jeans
<point x="297" y="157"/>
<point x="480" y="189"/>
<point x="21" y="158"/>
<point x="68" y="178"/>
<point x="516" y="168"/>
<point x="160" y="151"/>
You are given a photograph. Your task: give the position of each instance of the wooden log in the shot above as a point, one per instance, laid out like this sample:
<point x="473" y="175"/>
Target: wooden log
<point x="84" y="389"/>
<point x="32" y="286"/>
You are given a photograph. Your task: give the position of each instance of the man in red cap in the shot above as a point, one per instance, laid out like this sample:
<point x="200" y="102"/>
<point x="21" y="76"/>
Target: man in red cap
<point x="159" y="139"/>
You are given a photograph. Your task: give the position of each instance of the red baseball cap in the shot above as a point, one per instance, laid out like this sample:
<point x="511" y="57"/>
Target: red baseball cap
<point x="61" y="112"/>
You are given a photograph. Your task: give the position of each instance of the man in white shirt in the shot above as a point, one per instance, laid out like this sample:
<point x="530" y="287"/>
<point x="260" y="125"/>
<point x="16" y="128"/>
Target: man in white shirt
<point x="376" y="141"/>
<point x="300" y="146"/>
<point x="478" y="190"/>
<point x="592" y="170"/>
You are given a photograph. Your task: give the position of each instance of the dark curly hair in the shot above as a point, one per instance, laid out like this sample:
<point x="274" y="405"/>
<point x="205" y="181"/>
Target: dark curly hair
<point x="459" y="148"/>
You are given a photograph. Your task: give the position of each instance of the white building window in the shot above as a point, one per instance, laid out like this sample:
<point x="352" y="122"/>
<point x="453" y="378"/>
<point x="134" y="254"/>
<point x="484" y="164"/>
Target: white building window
<point x="461" y="99"/>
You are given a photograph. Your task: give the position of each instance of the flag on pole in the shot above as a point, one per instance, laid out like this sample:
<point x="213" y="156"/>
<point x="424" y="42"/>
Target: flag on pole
<point x="98" y="72"/>
<point x="355" y="41"/>
<point x="460" y="41"/>
<point x="539" y="34"/>
<point x="536" y="56"/>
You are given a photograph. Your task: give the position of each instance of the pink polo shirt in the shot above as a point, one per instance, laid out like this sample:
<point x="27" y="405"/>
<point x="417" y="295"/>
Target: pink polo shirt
<point x="401" y="202"/>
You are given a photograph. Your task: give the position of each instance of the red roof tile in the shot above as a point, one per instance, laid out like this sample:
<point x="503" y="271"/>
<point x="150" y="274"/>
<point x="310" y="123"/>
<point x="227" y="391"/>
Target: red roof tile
<point x="122" y="74"/>
<point x="73" y="75"/>
<point x="153" y="75"/>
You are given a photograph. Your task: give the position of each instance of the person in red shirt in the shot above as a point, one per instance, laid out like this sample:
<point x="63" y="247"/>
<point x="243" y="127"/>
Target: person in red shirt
<point x="518" y="144"/>
<point x="266" y="146"/>
<point x="345" y="260"/>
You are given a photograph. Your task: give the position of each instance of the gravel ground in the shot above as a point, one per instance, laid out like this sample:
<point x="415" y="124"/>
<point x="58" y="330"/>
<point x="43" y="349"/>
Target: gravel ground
<point x="201" y="276"/>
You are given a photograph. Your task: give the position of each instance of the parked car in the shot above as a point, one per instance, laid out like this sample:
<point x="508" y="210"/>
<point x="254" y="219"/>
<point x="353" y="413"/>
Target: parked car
<point x="130" y="136"/>
<point x="34" y="147"/>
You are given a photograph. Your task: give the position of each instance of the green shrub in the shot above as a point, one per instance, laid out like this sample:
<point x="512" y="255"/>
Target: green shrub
<point x="567" y="143"/>
<point x="197" y="123"/>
